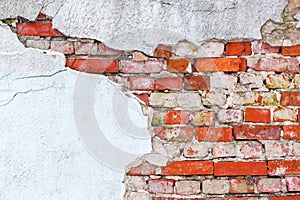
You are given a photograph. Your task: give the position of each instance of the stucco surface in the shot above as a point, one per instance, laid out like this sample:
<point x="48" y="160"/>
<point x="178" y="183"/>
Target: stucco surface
<point x="42" y="152"/>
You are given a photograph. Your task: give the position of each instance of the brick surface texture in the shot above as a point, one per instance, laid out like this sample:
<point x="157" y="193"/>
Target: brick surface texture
<point x="228" y="124"/>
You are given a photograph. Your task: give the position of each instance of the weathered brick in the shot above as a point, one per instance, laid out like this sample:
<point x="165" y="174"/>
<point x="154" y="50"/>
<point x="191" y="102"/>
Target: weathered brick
<point x="291" y="50"/>
<point x="276" y="149"/>
<point x="179" y="65"/>
<point x="250" y="132"/>
<point x="291" y="132"/>
<point x="251" y="80"/>
<point x="141" y="83"/>
<point x="64" y="47"/>
<point x="139" y="56"/>
<point x="190" y="167"/>
<point x="168" y="83"/>
<point x="163" y="51"/>
<point x="249" y="149"/>
<point x="285" y="114"/>
<point x="196" y="82"/>
<point x="296" y="149"/>
<point x="285" y="198"/>
<point x="293" y="183"/>
<point x="38" y="44"/>
<point x="136" y="183"/>
<point x="290" y="99"/>
<point x="137" y="195"/>
<point x="175" y="134"/>
<point x="269" y="185"/>
<point x="240" y="168"/>
<point x="104" y="50"/>
<point x="130" y="67"/>
<point x="187" y="187"/>
<point x="239" y="186"/>
<point x="260" y="47"/>
<point x="176" y="117"/>
<point x="238" y="48"/>
<point x="172" y="149"/>
<point x="214" y="98"/>
<point x="296" y="81"/>
<point x="86" y="48"/>
<point x="178" y="100"/>
<point x="37" y="29"/>
<point x="143" y="169"/>
<point x="255" y="99"/>
<point x="212" y="49"/>
<point x="203" y="118"/>
<point x="195" y="150"/>
<point x="222" y="150"/>
<point x="161" y="186"/>
<point x="258" y="115"/>
<point x="93" y="65"/>
<point x="212" y="134"/>
<point x="214" y="186"/>
<point x="230" y="116"/>
<point x="277" y="65"/>
<point x="185" y="48"/>
<point x="158" y="118"/>
<point x="219" y="80"/>
<point x="220" y="64"/>
<point x="143" y="97"/>
<point x="283" y="167"/>
<point x="278" y="81"/>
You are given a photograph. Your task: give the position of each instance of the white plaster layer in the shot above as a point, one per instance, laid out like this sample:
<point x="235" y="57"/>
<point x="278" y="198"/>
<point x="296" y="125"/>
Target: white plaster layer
<point x="42" y="155"/>
<point x="142" y="24"/>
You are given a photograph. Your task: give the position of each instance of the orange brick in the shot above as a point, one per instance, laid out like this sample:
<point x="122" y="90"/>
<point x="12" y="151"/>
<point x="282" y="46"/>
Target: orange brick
<point x="238" y="48"/>
<point x="291" y="51"/>
<point x="37" y="29"/>
<point x="220" y="64"/>
<point x="93" y="65"/>
<point x="290" y="99"/>
<point x="240" y="168"/>
<point x="176" y="117"/>
<point x="196" y="82"/>
<point x="285" y="198"/>
<point x="168" y="83"/>
<point x="291" y="132"/>
<point x="209" y="134"/>
<point x="258" y="115"/>
<point x="163" y="51"/>
<point x="283" y="167"/>
<point x="180" y="65"/>
<point x="188" y="168"/>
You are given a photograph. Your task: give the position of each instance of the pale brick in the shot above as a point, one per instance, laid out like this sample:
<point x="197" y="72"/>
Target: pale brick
<point x="249" y="149"/>
<point x="161" y="186"/>
<point x="278" y="81"/>
<point x="296" y="149"/>
<point x="135" y="183"/>
<point x="251" y="80"/>
<point x="38" y="44"/>
<point x="285" y="114"/>
<point x="185" y="48"/>
<point x="238" y="186"/>
<point x="230" y="116"/>
<point x="173" y="150"/>
<point x="276" y="64"/>
<point x="221" y="150"/>
<point x="64" y="47"/>
<point x="195" y="150"/>
<point x="224" y="81"/>
<point x="86" y="48"/>
<point x="137" y="196"/>
<point x="255" y="99"/>
<point x="296" y="81"/>
<point x="269" y="185"/>
<point x="178" y="100"/>
<point x="260" y="47"/>
<point x="293" y="184"/>
<point x="276" y="149"/>
<point x="187" y="187"/>
<point x="214" y="99"/>
<point x="212" y="49"/>
<point x="215" y="186"/>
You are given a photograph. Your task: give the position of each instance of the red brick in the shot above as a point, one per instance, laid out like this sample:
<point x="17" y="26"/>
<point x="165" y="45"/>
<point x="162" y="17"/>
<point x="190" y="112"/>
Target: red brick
<point x="130" y="67"/>
<point x="41" y="16"/>
<point x="141" y="83"/>
<point x="93" y="65"/>
<point x="238" y="186"/>
<point x="277" y="65"/>
<point x="176" y="117"/>
<point x="291" y="51"/>
<point x="203" y="118"/>
<point x="293" y="184"/>
<point x="37" y="29"/>
<point x="214" y="134"/>
<point x="285" y="198"/>
<point x="161" y="186"/>
<point x="104" y="50"/>
<point x="290" y="99"/>
<point x="64" y="47"/>
<point x="190" y="167"/>
<point x="269" y="185"/>
<point x="238" y="48"/>
<point x="220" y="64"/>
<point x="284" y="167"/>
<point x="240" y="168"/>
<point x="143" y="169"/>
<point x="163" y="51"/>
<point x="291" y="132"/>
<point x="256" y="132"/>
<point x="258" y="115"/>
<point x="260" y="47"/>
<point x="196" y="82"/>
<point x="175" y="134"/>
<point x="168" y="83"/>
<point x="143" y="97"/>
<point x="180" y="65"/>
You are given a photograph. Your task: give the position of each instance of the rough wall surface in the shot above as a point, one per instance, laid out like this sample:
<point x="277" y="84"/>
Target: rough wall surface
<point x="224" y="115"/>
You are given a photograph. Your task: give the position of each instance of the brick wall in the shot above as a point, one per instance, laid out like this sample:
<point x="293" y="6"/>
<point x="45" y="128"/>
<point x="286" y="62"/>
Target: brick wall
<point x="225" y="113"/>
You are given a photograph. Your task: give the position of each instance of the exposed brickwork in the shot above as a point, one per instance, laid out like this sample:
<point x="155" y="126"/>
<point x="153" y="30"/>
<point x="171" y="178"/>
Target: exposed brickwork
<point x="228" y="122"/>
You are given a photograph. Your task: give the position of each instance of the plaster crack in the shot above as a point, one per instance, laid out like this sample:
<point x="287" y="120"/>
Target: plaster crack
<point x="43" y="75"/>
